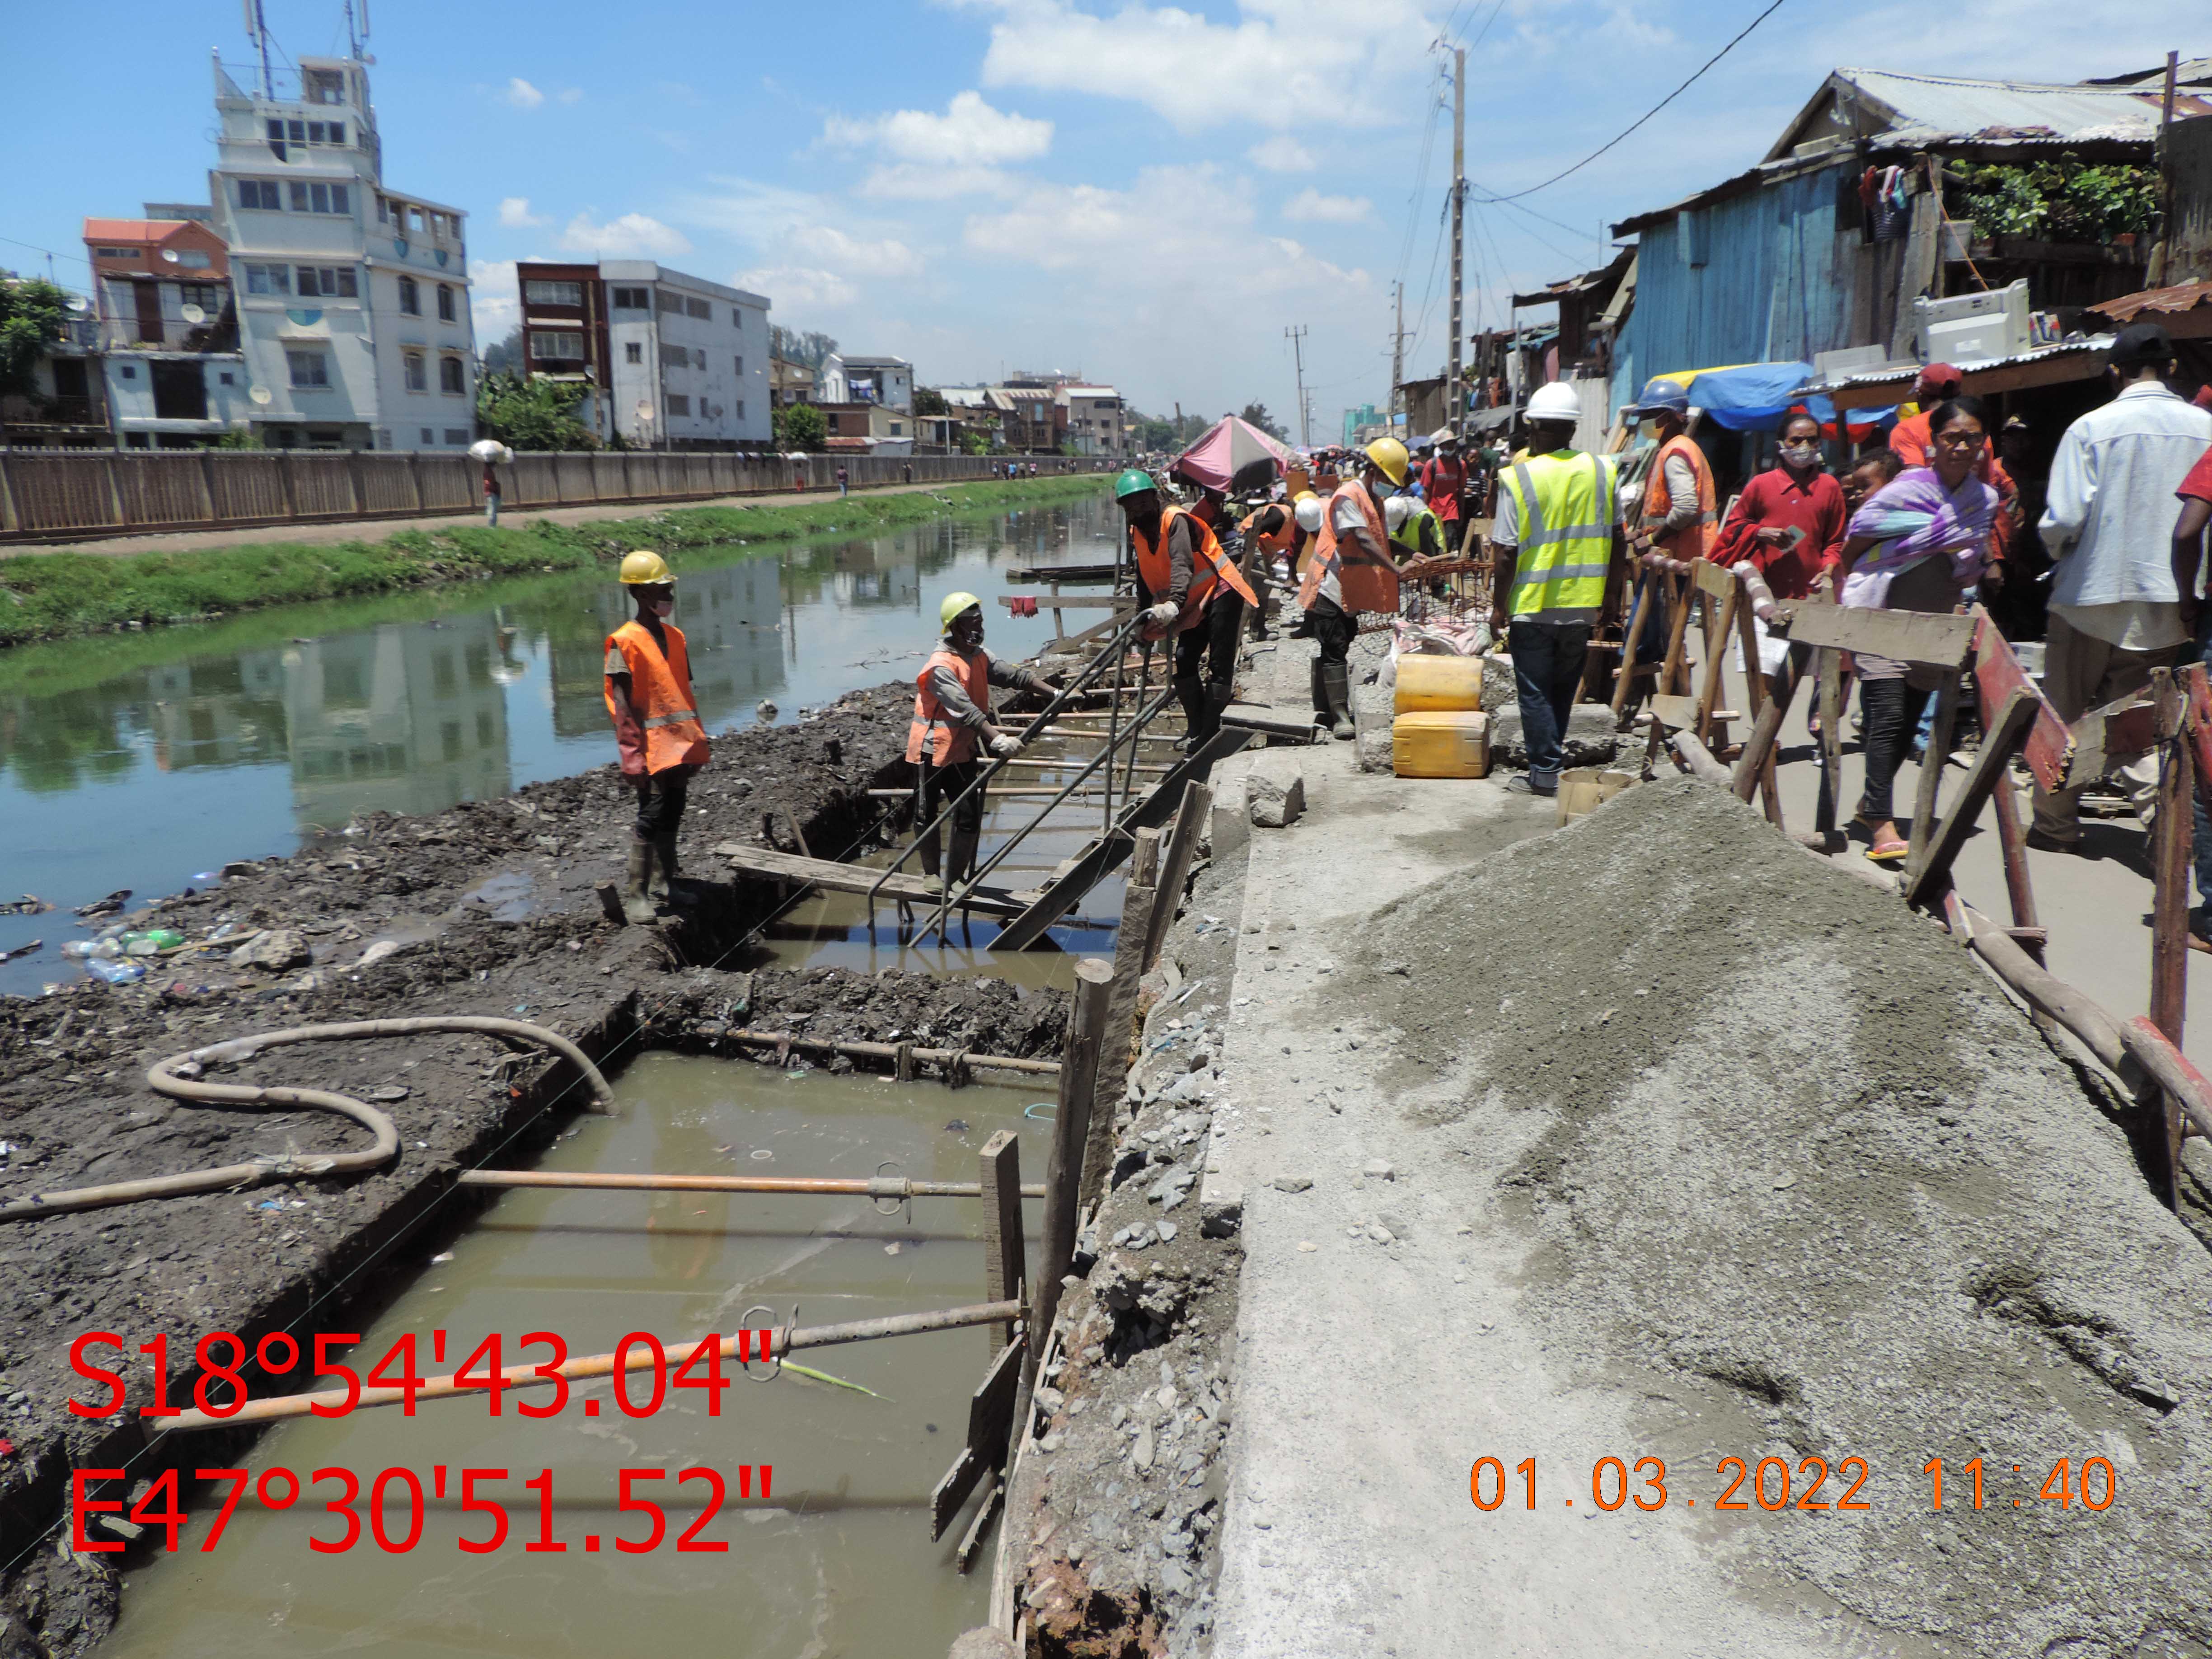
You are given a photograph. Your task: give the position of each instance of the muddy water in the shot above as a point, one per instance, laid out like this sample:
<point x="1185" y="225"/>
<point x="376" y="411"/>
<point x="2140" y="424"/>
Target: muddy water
<point x="148" y="761"/>
<point x="837" y="1561"/>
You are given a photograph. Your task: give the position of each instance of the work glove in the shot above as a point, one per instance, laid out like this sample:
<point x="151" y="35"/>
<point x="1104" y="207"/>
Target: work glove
<point x="1004" y="748"/>
<point x="1163" y="614"/>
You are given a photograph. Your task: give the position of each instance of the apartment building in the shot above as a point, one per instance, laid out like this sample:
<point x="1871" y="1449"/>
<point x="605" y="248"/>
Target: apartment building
<point x="158" y="361"/>
<point x="671" y="361"/>
<point x="352" y="299"/>
<point x="1096" y="423"/>
<point x="853" y="380"/>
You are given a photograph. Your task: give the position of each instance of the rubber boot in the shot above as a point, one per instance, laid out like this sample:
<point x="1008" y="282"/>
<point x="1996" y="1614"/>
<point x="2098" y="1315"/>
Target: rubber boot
<point x="637" y="906"/>
<point x="962" y="866"/>
<point x="1190" y="692"/>
<point x="1323" y="714"/>
<point x="933" y="854"/>
<point x="1217" y="696"/>
<point x="662" y="887"/>
<point x="1336" y="681"/>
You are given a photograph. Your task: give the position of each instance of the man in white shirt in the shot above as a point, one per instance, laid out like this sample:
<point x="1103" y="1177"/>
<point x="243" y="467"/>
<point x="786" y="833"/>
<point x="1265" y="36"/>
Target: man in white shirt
<point x="2115" y="608"/>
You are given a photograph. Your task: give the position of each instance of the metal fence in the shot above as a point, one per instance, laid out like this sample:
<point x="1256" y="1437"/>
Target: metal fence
<point x="59" y="495"/>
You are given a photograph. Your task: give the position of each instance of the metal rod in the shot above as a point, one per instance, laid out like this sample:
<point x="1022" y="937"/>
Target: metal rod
<point x="890" y="1051"/>
<point x="816" y="1186"/>
<point x="640" y="1357"/>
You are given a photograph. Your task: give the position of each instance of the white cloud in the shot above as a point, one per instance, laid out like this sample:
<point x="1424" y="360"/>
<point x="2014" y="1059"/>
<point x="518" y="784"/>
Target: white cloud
<point x="634" y="236"/>
<point x="495" y="299"/>
<point x="909" y="181"/>
<point x="570" y="95"/>
<point x="521" y="94"/>
<point x="833" y="249"/>
<point x="970" y="133"/>
<point x="1344" y="61"/>
<point x="789" y="285"/>
<point x="1309" y="206"/>
<point x="1282" y="153"/>
<point x="515" y="214"/>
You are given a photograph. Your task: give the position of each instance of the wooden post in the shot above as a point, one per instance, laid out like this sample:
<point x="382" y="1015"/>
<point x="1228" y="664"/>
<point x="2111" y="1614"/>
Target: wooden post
<point x="1716" y="661"/>
<point x="1139" y="900"/>
<point x="1755" y="681"/>
<point x="1928" y="867"/>
<point x="1003" y="1264"/>
<point x="1078" y="1075"/>
<point x="1933" y="759"/>
<point x="1674" y="675"/>
<point x="1639" y="608"/>
<point x="1832" y="741"/>
<point x="1175" y="865"/>
<point x="2169" y="863"/>
<point x="1754" y="768"/>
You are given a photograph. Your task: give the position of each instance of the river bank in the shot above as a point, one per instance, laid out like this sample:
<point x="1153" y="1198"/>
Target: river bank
<point x="46" y="596"/>
<point x="491" y="908"/>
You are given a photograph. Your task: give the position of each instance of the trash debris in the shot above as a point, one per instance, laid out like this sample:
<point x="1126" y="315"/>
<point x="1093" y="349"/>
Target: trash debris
<point x="116" y="973"/>
<point x="29" y="905"/>
<point x="105" y="906"/>
<point x="20" y="950"/>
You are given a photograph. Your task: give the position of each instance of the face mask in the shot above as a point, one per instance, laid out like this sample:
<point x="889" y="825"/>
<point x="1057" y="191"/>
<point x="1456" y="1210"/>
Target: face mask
<point x="1801" y="454"/>
<point x="663" y="607"/>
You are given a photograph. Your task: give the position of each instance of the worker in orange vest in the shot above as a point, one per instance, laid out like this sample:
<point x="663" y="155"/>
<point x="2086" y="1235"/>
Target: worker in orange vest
<point x="1680" y="519"/>
<point x="1351" y="571"/>
<point x="1191" y="590"/>
<point x="657" y="730"/>
<point x="1270" y="531"/>
<point x="952" y="727"/>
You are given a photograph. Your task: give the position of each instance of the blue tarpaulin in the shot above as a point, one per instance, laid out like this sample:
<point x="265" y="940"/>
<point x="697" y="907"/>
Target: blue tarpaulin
<point x="1754" y="397"/>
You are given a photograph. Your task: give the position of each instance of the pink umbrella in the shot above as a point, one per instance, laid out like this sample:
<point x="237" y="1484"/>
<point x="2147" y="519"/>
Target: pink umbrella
<point x="1229" y="447"/>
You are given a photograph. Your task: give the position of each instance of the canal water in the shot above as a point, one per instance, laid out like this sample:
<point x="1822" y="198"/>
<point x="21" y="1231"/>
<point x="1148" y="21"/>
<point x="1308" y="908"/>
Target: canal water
<point x="147" y="761"/>
<point x="835" y="1561"/>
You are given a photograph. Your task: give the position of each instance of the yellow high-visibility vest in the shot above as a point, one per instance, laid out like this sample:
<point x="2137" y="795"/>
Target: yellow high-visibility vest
<point x="1567" y="505"/>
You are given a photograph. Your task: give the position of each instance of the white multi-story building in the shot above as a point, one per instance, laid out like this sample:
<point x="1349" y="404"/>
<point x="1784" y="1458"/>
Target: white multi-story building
<point x="353" y="300"/>
<point x="888" y="381"/>
<point x="673" y="362"/>
<point x="1096" y="423"/>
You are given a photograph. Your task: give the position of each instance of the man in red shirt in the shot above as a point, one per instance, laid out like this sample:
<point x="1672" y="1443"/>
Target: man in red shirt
<point x="1444" y="480"/>
<point x="1789" y="520"/>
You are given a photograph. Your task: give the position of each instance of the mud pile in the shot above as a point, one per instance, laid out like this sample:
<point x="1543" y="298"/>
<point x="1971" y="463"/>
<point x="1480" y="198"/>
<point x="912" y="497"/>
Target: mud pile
<point x="1802" y="1179"/>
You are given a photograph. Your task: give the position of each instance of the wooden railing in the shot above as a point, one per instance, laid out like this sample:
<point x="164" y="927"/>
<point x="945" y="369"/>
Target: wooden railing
<point x="58" y="494"/>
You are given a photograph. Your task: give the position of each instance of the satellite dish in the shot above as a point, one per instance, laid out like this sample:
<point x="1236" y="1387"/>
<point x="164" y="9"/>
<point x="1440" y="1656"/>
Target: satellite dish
<point x="645" y="411"/>
<point x="79" y="304"/>
<point x="170" y="254"/>
<point x="261" y="395"/>
<point x="194" y="314"/>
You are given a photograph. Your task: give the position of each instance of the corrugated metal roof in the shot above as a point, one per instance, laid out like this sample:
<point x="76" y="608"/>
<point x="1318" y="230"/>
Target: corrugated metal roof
<point x="2185" y="296"/>
<point x="1904" y="377"/>
<point x="1928" y="106"/>
<point x="131" y="230"/>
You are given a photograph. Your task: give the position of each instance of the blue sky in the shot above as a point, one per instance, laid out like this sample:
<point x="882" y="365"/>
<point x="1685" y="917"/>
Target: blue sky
<point x="1147" y="193"/>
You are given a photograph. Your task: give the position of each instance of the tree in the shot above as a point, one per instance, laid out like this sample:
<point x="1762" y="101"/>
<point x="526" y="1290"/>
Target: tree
<point x="975" y="443"/>
<point x="811" y="349"/>
<point x="802" y="426"/>
<point x="928" y="400"/>
<point x="532" y="413"/>
<point x="33" y="314"/>
<point x="506" y="354"/>
<point x="1258" y="416"/>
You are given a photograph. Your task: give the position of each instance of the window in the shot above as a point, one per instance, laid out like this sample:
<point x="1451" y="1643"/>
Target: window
<point x="457" y="434"/>
<point x="670" y="302"/>
<point x="309" y="368"/>
<point x="319" y="199"/>
<point x="898" y="429"/>
<point x="417" y="374"/>
<point x="411" y="297"/>
<point x="678" y="404"/>
<point x="208" y="296"/>
<point x="675" y="356"/>
<point x="116" y="253"/>
<point x="129" y="370"/>
<point x="386" y="208"/>
<point x="699" y="308"/>
<point x="633" y="352"/>
<point x="268" y="279"/>
<point x="261" y="193"/>
<point x="137" y="441"/>
<point x="450" y="374"/>
<point x="322" y="86"/>
<point x="415" y="219"/>
<point x="741" y="366"/>
<point x="225" y="377"/>
<point x="191" y="258"/>
<point x="632" y="299"/>
<point x="554" y="293"/>
<point x="741" y="409"/>
<point x="335" y="281"/>
<point x="557" y="348"/>
<point x="445" y="303"/>
<point x="429" y="437"/>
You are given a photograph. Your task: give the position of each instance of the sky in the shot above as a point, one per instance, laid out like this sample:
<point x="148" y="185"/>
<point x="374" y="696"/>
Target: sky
<point x="1148" y="194"/>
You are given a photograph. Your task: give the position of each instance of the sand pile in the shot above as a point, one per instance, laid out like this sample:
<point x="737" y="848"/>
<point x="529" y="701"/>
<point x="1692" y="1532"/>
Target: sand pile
<point x="1798" y="1176"/>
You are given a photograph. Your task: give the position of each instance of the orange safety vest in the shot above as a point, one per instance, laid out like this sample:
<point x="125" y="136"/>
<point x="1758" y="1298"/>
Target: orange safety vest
<point x="1691" y="541"/>
<point x="950" y="743"/>
<point x="660" y="692"/>
<point x="1210" y="567"/>
<point x="1367" y="586"/>
<point x="1283" y="541"/>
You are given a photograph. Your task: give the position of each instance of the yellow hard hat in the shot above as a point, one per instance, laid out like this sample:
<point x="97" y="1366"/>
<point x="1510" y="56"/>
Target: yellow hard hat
<point x="1390" y="455"/>
<point x="644" y="569"/>
<point x="954" y="604"/>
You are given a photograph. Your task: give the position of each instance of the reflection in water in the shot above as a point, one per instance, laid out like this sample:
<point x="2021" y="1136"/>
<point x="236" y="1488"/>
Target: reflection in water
<point x="149" y="776"/>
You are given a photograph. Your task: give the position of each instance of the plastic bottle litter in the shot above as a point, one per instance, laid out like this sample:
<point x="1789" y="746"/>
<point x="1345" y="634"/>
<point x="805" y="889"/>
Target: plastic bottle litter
<point x="89" y="947"/>
<point x="116" y="973"/>
<point x="152" y="942"/>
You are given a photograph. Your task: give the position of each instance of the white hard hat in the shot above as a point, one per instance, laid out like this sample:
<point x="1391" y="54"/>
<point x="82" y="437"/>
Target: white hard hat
<point x="1555" y="401"/>
<point x="1397" y="510"/>
<point x="1309" y="514"/>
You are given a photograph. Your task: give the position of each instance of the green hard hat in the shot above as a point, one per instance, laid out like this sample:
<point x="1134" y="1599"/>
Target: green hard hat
<point x="1132" y="483"/>
<point x="953" y="605"/>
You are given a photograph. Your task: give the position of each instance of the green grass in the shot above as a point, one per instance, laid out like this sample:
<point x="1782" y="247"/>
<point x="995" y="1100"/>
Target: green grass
<point x="48" y="596"/>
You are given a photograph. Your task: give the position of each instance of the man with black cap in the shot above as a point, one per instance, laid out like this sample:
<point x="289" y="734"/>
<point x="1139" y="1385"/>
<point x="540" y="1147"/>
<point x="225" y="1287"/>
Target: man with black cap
<point x="2115" y="609"/>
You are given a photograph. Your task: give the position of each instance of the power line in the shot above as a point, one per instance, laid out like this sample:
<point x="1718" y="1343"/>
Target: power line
<point x="1648" y="113"/>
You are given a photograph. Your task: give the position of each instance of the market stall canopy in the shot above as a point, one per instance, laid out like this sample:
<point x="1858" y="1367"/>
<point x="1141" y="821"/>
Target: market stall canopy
<point x="1757" y="397"/>
<point x="1232" y="446"/>
<point x="2185" y="310"/>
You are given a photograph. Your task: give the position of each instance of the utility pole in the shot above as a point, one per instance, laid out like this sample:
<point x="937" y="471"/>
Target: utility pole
<point x="1297" y="337"/>
<point x="1398" y="356"/>
<point x="1454" y="400"/>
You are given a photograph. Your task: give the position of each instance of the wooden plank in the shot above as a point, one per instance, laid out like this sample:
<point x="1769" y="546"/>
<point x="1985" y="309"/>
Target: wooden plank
<point x="1268" y="722"/>
<point x="1712" y="579"/>
<point x="1716" y="660"/>
<point x="1139" y="899"/>
<point x="1997" y="674"/>
<point x="1927" y="870"/>
<point x="1928" y="638"/>
<point x="1754" y="768"/>
<point x="1066" y="574"/>
<point x="990" y="1417"/>
<point x="1933" y="759"/>
<point x="772" y="864"/>
<point x="1639" y="608"/>
<point x="1071" y="1126"/>
<point x="1832" y="741"/>
<point x="2170" y="835"/>
<point x="971" y="1541"/>
<point x="1673" y="678"/>
<point x="1175" y="864"/>
<point x="1004" y="1268"/>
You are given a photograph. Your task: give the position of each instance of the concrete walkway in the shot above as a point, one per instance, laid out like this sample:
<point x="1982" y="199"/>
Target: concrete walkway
<point x="324" y="533"/>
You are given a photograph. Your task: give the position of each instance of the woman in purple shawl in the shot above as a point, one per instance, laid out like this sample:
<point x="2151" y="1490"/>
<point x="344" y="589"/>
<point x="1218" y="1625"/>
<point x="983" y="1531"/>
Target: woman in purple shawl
<point x="1919" y="543"/>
